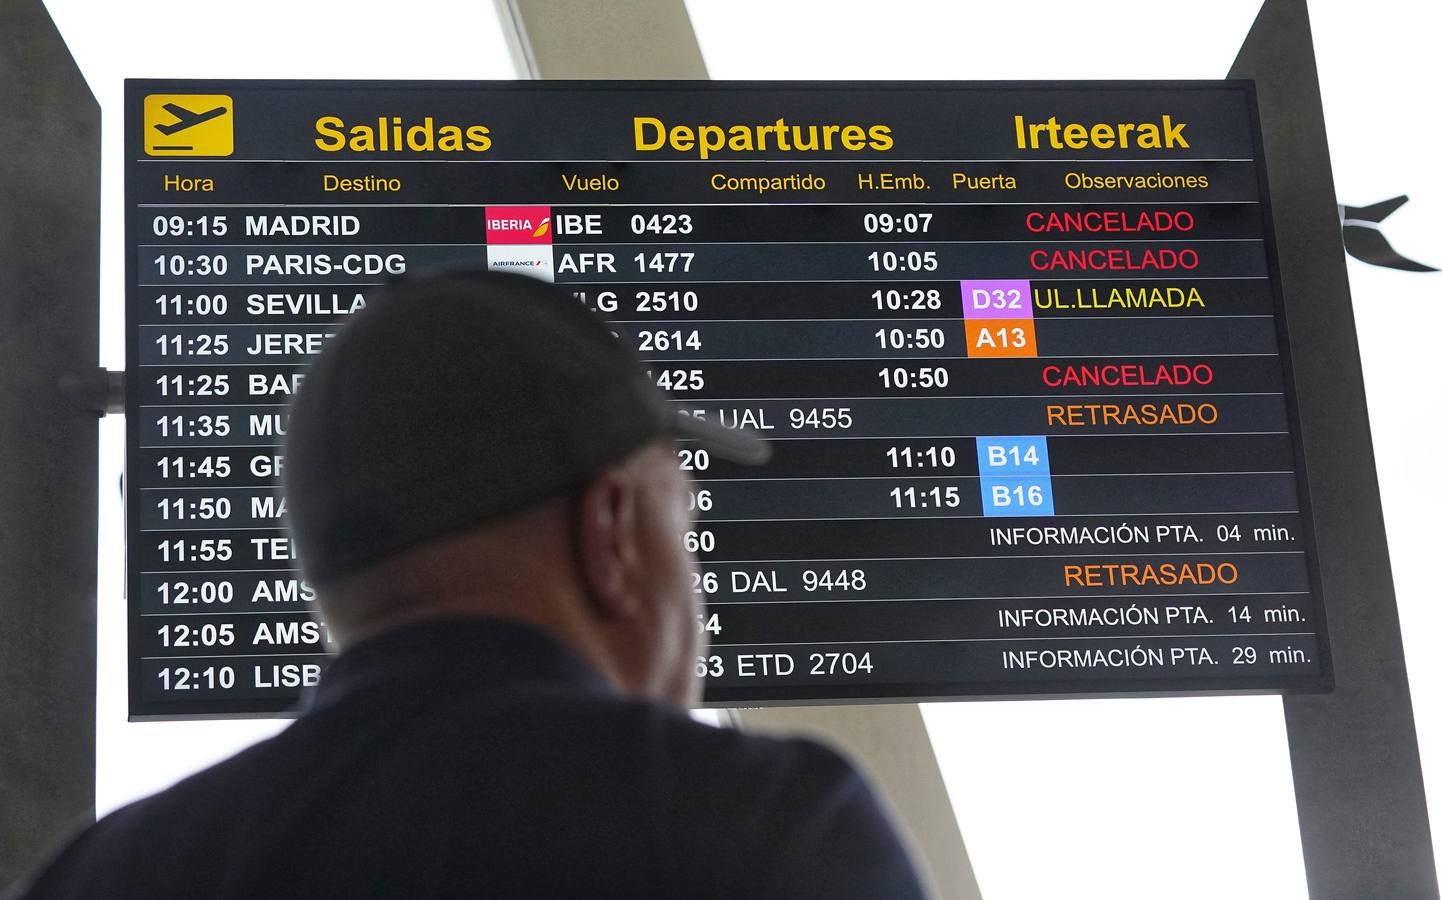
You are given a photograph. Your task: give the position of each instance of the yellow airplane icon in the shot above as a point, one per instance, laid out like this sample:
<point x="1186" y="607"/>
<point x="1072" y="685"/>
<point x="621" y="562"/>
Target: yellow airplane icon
<point x="189" y="125"/>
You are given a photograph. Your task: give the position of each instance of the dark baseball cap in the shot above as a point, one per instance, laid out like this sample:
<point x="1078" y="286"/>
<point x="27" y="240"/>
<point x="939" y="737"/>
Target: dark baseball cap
<point x="459" y="397"/>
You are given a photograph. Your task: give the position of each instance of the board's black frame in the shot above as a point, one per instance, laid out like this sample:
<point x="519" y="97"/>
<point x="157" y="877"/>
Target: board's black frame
<point x="1321" y="682"/>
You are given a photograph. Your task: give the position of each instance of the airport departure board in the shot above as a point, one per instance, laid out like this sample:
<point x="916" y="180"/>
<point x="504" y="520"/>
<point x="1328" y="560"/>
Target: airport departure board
<point x="1019" y="347"/>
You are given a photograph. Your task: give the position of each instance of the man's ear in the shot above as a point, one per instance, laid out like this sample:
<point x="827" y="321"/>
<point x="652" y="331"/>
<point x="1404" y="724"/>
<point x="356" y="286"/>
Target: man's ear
<point x="606" y="521"/>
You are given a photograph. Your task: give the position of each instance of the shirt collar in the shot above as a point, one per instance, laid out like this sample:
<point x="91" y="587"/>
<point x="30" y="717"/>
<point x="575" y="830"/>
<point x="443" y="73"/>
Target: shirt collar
<point x="452" y="655"/>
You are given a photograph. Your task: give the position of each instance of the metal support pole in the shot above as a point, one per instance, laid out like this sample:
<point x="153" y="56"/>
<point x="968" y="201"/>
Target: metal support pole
<point x="1355" y="764"/>
<point x="602" y="39"/>
<point x="49" y="331"/>
<point x="653" y="39"/>
<point x="892" y="745"/>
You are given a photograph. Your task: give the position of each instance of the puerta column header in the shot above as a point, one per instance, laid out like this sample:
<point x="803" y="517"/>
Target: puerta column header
<point x="1020" y="349"/>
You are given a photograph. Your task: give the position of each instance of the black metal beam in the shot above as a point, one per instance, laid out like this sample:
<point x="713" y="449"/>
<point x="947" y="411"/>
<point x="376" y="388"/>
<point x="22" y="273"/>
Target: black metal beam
<point x="49" y="329"/>
<point x="1355" y="764"/>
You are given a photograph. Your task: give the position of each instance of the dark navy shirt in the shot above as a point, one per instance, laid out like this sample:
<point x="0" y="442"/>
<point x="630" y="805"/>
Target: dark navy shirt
<point x="478" y="758"/>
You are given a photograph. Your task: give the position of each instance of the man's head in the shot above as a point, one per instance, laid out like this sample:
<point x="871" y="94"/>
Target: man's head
<point x="478" y="444"/>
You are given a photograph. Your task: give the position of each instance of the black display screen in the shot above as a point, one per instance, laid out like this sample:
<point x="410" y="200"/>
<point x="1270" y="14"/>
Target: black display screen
<point x="1020" y="349"/>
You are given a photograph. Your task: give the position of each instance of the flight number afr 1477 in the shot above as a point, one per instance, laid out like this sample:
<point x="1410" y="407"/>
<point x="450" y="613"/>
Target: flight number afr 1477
<point x="665" y="261"/>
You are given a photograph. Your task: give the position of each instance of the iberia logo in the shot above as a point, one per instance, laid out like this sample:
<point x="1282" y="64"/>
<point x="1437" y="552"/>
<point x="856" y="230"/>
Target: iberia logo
<point x="518" y="224"/>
